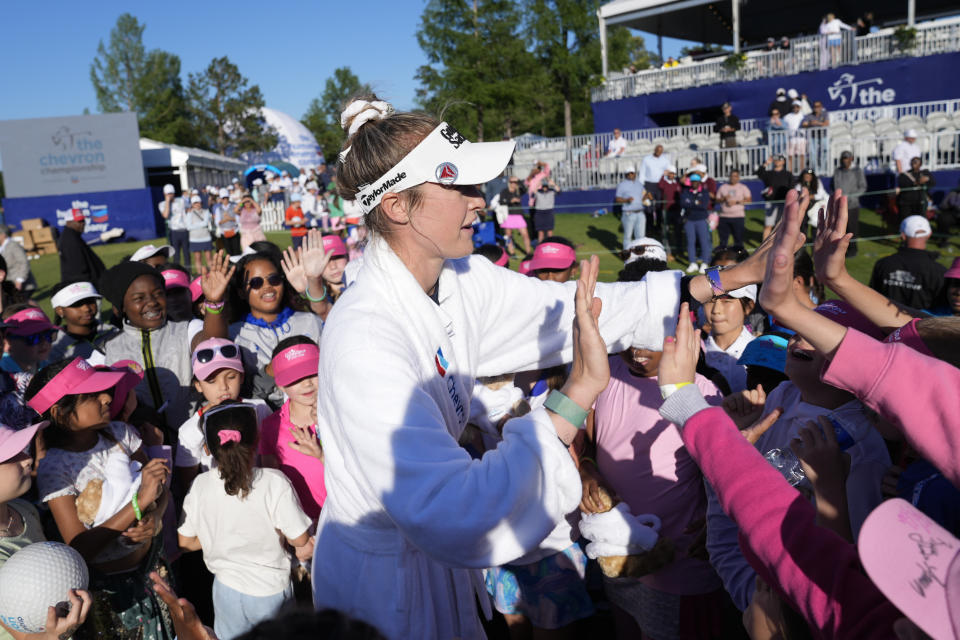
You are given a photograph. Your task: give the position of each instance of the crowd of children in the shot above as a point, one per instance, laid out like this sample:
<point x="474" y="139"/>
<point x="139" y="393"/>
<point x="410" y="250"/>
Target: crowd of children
<point x="742" y="477"/>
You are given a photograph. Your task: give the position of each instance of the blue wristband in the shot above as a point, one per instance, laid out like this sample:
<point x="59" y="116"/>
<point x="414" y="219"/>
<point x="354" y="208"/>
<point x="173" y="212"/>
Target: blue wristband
<point x="713" y="275"/>
<point x="566" y="409"/>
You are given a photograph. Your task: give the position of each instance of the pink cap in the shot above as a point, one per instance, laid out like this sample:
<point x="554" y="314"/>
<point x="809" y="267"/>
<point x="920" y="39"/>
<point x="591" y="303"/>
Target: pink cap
<point x="77" y="377"/>
<point x="334" y="244"/>
<point x="954" y="270"/>
<point x="503" y="260"/>
<point x="175" y="279"/>
<point x="28" y="322"/>
<point x="914" y="563"/>
<point x="524" y="268"/>
<point x="552" y="255"/>
<point x="908" y="335"/>
<point x="14" y="441"/>
<point x="196" y="290"/>
<point x="214" y="354"/>
<point x="133" y="371"/>
<point x="295" y="363"/>
<point x="842" y="312"/>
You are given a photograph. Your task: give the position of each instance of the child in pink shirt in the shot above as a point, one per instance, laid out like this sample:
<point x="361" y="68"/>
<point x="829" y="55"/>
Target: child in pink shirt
<point x="288" y="439"/>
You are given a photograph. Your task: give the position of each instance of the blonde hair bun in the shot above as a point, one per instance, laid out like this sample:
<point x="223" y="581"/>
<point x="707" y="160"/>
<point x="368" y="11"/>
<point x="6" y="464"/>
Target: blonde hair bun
<point x="359" y="112"/>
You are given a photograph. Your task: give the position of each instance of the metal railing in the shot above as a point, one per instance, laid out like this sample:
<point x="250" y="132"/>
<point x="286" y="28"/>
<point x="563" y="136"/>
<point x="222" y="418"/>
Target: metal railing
<point x="811" y="53"/>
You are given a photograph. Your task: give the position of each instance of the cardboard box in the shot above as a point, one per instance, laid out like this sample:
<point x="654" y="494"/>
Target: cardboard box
<point x="33" y="223"/>
<point x="47" y="248"/>
<point x="25" y="239"/>
<point x="42" y="235"/>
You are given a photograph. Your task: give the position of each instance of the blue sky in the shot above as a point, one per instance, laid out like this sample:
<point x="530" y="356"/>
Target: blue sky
<point x="287" y="48"/>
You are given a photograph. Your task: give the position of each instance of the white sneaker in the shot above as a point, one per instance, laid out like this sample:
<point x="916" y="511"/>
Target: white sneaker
<point x="703" y="267"/>
<point x="692" y="267"/>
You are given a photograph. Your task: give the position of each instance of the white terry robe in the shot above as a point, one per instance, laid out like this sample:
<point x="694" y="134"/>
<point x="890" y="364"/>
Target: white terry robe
<point x="410" y="518"/>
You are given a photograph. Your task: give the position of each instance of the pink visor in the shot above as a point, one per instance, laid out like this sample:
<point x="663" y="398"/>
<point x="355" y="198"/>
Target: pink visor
<point x="295" y="363"/>
<point x="843" y="313"/>
<point x="29" y="322"/>
<point x="196" y="290"/>
<point x="335" y="245"/>
<point x="908" y="335"/>
<point x="954" y="270"/>
<point x="133" y="374"/>
<point x="175" y="279"/>
<point x="14" y="441"/>
<point x="914" y="563"/>
<point x="77" y="377"/>
<point x="503" y="260"/>
<point x="552" y="255"/>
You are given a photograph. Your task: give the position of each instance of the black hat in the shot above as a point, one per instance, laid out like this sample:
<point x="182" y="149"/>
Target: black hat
<point x="116" y="280"/>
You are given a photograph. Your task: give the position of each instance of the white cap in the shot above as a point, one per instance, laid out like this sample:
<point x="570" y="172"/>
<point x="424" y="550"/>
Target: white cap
<point x="195" y="199"/>
<point x="257" y="182"/>
<point x="629" y="169"/>
<point x="148" y="250"/>
<point x="749" y="292"/>
<point x="224" y="193"/>
<point x="651" y="249"/>
<point x="910" y="133"/>
<point x="670" y="169"/>
<point x="311" y="185"/>
<point x="915" y="227"/>
<point x="443" y="157"/>
<point x="793" y="94"/>
<point x="235" y="181"/>
<point x="295" y="197"/>
<point x="781" y="90"/>
<point x="246" y="252"/>
<point x="73" y="293"/>
<point x="284" y="173"/>
<point x="700" y="168"/>
<point x="168" y="188"/>
<point x="796" y="103"/>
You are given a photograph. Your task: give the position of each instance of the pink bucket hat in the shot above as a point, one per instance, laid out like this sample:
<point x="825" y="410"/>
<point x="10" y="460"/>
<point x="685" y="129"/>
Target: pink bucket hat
<point x="504" y="258"/>
<point x="954" y="270"/>
<point x="28" y="322"/>
<point x="335" y="244"/>
<point x="196" y="289"/>
<point x="77" y="377"/>
<point x="14" y="441"/>
<point x="214" y="354"/>
<point x="908" y="335"/>
<point x="175" y="279"/>
<point x="842" y="312"/>
<point x="295" y="363"/>
<point x="552" y="255"/>
<point x="914" y="562"/>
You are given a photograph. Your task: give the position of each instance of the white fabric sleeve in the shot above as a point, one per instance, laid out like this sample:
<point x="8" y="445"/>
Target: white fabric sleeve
<point x="460" y="511"/>
<point x="287" y="514"/>
<point x="527" y="324"/>
<point x="189" y="444"/>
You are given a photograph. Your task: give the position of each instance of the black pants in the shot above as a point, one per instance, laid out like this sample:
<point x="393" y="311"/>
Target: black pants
<point x="656" y="218"/>
<point x="946" y="219"/>
<point x="232" y="244"/>
<point x="729" y="226"/>
<point x="853" y="226"/>
<point x="180" y="240"/>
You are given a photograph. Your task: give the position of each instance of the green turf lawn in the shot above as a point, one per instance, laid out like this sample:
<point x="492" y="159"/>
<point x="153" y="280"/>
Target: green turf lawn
<point x="591" y="235"/>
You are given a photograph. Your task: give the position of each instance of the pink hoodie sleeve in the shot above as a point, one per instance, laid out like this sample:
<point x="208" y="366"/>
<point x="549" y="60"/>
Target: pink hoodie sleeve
<point x="815" y="569"/>
<point x="916" y="392"/>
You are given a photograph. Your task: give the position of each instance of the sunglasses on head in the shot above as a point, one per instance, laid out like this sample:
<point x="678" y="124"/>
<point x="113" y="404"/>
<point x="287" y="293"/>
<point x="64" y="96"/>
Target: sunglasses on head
<point x="228" y="351"/>
<point x="640" y="250"/>
<point x="274" y="280"/>
<point x="35" y="339"/>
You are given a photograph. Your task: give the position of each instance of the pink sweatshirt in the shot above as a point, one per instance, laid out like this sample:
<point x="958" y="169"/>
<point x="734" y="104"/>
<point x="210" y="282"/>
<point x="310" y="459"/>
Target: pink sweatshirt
<point x="927" y="409"/>
<point x="812" y="567"/>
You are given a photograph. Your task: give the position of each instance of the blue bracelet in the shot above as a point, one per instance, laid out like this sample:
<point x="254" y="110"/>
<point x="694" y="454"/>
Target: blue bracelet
<point x="566" y="408"/>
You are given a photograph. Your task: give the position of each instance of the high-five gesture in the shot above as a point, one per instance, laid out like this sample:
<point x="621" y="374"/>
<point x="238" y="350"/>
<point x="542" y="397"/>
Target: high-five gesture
<point x="832" y="240"/>
<point x="590" y="370"/>
<point x="777" y="295"/>
<point x="304" y="266"/>
<point x="679" y="362"/>
<point x="215" y="278"/>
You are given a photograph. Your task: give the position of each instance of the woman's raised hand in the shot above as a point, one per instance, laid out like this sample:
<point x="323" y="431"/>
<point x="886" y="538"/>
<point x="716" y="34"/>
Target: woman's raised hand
<point x="215" y="278"/>
<point x="590" y="371"/>
<point x="776" y="295"/>
<point x="757" y="262"/>
<point x="832" y="240"/>
<point x="679" y="362"/>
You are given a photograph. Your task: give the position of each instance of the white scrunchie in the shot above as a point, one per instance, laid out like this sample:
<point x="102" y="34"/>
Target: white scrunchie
<point x="364" y="111"/>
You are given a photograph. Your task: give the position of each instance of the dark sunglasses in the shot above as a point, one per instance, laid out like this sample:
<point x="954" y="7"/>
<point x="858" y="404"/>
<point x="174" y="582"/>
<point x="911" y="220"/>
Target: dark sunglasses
<point x="35" y="339"/>
<point x="639" y="250"/>
<point x="274" y="280"/>
<point x="228" y="351"/>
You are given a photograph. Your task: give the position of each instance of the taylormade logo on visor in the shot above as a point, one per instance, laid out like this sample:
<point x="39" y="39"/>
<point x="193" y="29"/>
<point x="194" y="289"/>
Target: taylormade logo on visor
<point x="376" y="193"/>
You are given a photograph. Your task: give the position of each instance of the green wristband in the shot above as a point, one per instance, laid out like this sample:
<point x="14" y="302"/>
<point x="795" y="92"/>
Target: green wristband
<point x="136" y="508"/>
<point x="566" y="409"/>
<point x="323" y="296"/>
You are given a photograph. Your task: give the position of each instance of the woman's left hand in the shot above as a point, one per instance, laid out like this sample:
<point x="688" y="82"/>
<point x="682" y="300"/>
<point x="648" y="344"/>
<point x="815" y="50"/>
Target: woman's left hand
<point x="680" y="354"/>
<point x="215" y="278"/>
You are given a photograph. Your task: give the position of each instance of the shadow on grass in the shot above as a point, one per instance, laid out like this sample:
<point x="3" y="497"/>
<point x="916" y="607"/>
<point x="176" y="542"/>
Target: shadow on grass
<point x="608" y="239"/>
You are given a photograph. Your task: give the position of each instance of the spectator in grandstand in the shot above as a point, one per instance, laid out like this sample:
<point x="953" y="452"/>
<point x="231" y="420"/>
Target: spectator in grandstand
<point x="865" y="24"/>
<point x="18" y="267"/>
<point x="831" y="29"/>
<point x="670" y="63"/>
<point x="727" y="126"/>
<point x="947" y="216"/>
<point x="631" y="195"/>
<point x="781" y="103"/>
<point x="805" y="108"/>
<point x="669" y="190"/>
<point x="776" y="183"/>
<point x="771" y="44"/>
<point x="815" y="126"/>
<point x="651" y="170"/>
<point x="911" y="276"/>
<point x="912" y="188"/>
<point x="617" y="145"/>
<point x="906" y="150"/>
<point x="796" y="141"/>
<point x="853" y="182"/>
<point x="784" y="43"/>
<point x="732" y="197"/>
<point x="776" y="132"/>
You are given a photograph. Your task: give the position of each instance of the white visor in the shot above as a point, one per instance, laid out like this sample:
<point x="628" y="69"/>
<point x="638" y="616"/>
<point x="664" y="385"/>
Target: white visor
<point x="148" y="251"/>
<point x="73" y="293"/>
<point x="444" y="157"/>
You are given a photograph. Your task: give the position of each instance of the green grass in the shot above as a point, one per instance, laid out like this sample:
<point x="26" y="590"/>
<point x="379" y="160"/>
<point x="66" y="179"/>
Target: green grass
<point x="591" y="235"/>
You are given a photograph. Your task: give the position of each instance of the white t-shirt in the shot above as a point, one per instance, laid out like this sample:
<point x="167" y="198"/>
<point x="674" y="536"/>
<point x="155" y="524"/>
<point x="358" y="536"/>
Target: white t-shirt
<point x="905" y="152"/>
<point x="793" y="120"/>
<point x="176" y="221"/>
<point x="239" y="536"/>
<point x="617" y="146"/>
<point x="190" y="452"/>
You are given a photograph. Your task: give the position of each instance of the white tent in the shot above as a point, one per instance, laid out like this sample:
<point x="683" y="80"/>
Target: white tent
<point x="296" y="144"/>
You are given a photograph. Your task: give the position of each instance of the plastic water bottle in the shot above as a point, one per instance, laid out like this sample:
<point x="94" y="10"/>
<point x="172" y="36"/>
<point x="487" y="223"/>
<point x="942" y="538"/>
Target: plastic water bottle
<point x="786" y="462"/>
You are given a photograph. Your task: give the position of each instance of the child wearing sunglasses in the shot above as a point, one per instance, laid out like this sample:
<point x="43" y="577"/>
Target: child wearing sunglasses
<point x="288" y="438"/>
<point x="233" y="514"/>
<point x="218" y="374"/>
<point x="29" y="335"/>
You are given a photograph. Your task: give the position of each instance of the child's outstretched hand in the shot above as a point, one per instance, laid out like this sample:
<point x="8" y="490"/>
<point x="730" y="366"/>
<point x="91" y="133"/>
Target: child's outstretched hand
<point x="746" y="407"/>
<point x="590" y="371"/>
<point x="306" y="442"/>
<point x="679" y="362"/>
<point x="186" y="622"/>
<point x="776" y="295"/>
<point x="214" y="280"/>
<point x="816" y="447"/>
<point x="314" y="258"/>
<point x="832" y="240"/>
